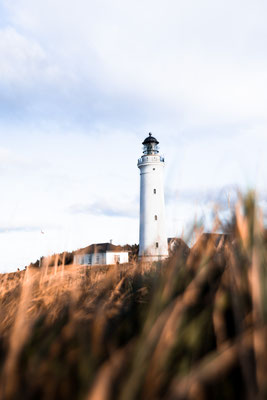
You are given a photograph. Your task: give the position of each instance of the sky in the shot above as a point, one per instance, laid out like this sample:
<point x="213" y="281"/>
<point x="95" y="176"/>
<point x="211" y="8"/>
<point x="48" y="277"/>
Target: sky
<point x="83" y="83"/>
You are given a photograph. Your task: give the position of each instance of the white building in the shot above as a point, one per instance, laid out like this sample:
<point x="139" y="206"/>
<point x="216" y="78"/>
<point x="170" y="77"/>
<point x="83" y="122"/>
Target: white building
<point x="153" y="243"/>
<point x="101" y="254"/>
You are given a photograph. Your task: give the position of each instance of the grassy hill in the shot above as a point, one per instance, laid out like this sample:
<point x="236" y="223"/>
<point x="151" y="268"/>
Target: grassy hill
<point x="193" y="327"/>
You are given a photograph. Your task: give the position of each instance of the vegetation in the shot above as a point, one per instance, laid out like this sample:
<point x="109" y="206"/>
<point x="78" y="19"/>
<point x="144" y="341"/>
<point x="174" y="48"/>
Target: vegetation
<point x="193" y="327"/>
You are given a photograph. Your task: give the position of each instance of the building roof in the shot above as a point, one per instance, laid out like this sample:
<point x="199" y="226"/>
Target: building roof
<point x="101" y="248"/>
<point x="218" y="240"/>
<point x="150" y="139"/>
<point x="178" y="246"/>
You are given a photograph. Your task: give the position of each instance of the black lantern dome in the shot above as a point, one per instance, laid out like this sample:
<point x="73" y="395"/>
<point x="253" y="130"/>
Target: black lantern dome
<point x="150" y="139"/>
<point x="150" y="145"/>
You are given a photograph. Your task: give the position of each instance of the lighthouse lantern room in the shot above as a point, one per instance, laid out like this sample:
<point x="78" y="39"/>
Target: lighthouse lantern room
<point x="153" y="244"/>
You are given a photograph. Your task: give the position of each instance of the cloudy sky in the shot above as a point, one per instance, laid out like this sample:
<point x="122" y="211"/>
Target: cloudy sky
<point x="81" y="85"/>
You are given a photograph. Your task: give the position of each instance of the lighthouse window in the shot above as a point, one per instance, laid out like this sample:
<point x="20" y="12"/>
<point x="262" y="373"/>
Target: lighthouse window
<point x="157" y="244"/>
<point x="155" y="191"/>
<point x="156" y="217"/>
<point x="154" y="169"/>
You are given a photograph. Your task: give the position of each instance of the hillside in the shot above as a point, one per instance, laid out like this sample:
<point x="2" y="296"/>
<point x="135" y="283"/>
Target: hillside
<point x="190" y="328"/>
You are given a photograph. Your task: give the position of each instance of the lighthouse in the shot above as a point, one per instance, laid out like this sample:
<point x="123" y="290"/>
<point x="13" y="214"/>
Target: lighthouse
<point x="153" y="244"/>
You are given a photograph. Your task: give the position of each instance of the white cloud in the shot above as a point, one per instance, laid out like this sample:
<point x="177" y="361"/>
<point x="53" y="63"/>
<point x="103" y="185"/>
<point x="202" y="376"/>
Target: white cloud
<point x="22" y="60"/>
<point x="206" y="60"/>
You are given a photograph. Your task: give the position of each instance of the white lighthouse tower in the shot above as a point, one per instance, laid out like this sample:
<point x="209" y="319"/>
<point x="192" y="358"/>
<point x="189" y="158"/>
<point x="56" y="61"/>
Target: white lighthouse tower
<point x="153" y="244"/>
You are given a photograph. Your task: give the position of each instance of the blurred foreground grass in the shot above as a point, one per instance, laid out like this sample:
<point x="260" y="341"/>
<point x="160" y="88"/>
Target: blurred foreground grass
<point x="193" y="327"/>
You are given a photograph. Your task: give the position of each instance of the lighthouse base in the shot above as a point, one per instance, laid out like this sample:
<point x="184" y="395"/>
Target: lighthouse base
<point x="151" y="258"/>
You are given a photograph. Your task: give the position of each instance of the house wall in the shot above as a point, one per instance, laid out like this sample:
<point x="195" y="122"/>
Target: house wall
<point x="114" y="257"/>
<point x="90" y="259"/>
<point x="98" y="258"/>
<point x="101" y="258"/>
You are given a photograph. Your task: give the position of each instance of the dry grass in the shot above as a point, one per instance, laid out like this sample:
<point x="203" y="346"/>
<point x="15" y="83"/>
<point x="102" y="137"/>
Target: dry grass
<point x="190" y="328"/>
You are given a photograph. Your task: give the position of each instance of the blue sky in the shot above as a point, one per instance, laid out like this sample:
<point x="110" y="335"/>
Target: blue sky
<point x="82" y="84"/>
